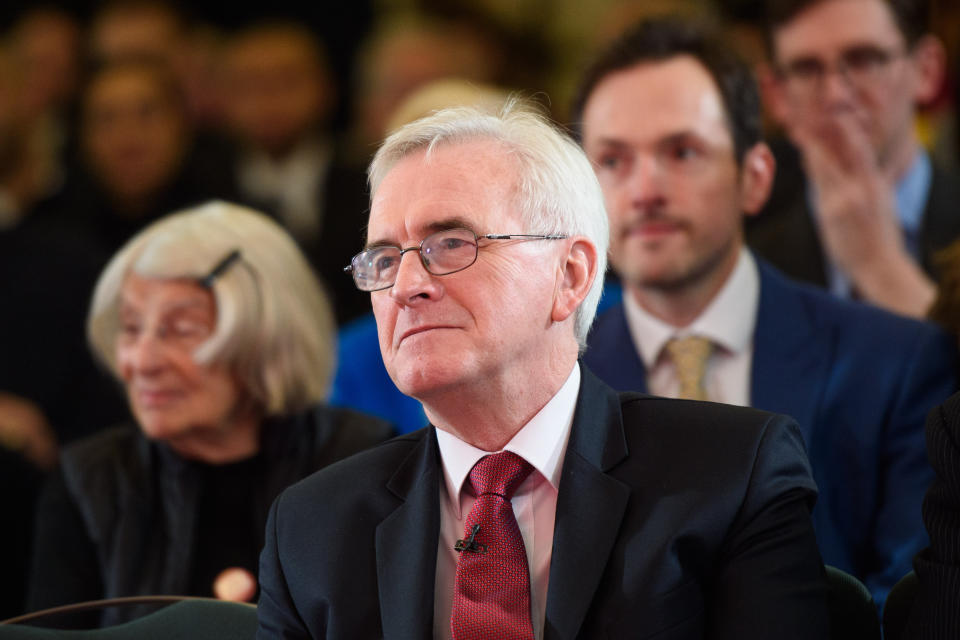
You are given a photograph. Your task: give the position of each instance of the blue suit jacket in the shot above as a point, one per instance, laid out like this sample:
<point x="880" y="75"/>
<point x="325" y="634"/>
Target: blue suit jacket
<point x="859" y="381"/>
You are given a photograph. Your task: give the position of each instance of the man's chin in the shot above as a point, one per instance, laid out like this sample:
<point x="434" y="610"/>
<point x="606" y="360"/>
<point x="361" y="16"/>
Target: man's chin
<point x="424" y="381"/>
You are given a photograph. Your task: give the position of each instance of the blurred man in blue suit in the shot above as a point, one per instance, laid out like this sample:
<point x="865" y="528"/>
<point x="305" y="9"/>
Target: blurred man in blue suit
<point x="671" y="123"/>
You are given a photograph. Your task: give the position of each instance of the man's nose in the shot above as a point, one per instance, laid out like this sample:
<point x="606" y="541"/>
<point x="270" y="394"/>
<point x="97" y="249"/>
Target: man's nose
<point x="646" y="182"/>
<point x="836" y="87"/>
<point x="413" y="281"/>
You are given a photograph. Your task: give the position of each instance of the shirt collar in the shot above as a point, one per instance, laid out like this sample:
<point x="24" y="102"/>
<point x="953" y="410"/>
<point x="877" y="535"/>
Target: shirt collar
<point x="728" y="320"/>
<point x="912" y="191"/>
<point x="542" y="442"/>
<point x="310" y="157"/>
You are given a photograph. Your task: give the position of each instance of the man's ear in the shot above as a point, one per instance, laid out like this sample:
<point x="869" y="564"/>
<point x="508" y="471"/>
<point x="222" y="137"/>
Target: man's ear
<point x="772" y="94"/>
<point x="578" y="271"/>
<point x="756" y="178"/>
<point x="929" y="61"/>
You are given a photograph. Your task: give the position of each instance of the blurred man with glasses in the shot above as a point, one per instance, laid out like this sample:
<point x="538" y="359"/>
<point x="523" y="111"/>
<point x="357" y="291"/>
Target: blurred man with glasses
<point x="860" y="209"/>
<point x="538" y="503"/>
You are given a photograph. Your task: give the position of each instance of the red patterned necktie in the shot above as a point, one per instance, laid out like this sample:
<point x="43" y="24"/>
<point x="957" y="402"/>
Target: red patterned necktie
<point x="491" y="597"/>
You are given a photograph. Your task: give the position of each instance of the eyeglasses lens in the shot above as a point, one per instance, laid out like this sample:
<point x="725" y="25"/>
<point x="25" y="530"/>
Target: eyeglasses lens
<point x="441" y="253"/>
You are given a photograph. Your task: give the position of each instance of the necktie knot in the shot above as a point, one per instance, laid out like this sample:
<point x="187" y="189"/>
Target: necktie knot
<point x="500" y="474"/>
<point x="689" y="356"/>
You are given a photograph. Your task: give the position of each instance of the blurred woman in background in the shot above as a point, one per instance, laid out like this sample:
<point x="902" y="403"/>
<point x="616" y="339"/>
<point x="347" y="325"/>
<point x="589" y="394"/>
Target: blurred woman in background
<point x="214" y="324"/>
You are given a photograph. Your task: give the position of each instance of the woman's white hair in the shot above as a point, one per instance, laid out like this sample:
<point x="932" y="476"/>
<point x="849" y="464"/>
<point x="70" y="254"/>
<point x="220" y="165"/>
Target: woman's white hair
<point x="275" y="329"/>
<point x="558" y="191"/>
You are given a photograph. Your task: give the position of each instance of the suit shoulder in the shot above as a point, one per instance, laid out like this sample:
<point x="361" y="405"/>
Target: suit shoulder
<point x="714" y="447"/>
<point x="690" y="424"/>
<point x="694" y="412"/>
<point x="367" y="470"/>
<point x="352" y="429"/>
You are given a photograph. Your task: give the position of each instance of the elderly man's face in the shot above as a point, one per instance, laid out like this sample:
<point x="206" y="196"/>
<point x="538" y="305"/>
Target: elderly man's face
<point x="472" y="329"/>
<point x="660" y="144"/>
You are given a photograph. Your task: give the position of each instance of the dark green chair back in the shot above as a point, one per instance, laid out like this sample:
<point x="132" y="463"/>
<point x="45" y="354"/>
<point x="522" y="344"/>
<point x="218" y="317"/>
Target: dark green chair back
<point x="188" y="619"/>
<point x="897" y="608"/>
<point x="853" y="613"/>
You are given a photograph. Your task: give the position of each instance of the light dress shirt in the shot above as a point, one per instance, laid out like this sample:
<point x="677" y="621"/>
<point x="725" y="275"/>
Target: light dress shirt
<point x="294" y="184"/>
<point x="910" y="194"/>
<point x="728" y="321"/>
<point x="543" y="443"/>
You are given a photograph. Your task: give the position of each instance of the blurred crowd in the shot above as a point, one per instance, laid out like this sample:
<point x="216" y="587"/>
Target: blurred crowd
<point x="114" y="114"/>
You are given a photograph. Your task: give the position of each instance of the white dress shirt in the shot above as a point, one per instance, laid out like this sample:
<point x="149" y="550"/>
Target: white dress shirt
<point x="294" y="183"/>
<point x="728" y="321"/>
<point x="543" y="443"/>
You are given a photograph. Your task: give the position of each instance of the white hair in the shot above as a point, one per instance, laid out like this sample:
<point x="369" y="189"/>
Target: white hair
<point x="558" y="192"/>
<point x="275" y="329"/>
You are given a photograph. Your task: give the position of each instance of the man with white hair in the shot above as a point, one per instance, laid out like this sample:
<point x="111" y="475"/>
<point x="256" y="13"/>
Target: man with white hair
<point x="539" y="503"/>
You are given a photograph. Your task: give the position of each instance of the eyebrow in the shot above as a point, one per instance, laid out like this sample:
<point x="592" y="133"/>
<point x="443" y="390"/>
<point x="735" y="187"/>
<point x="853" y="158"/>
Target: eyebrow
<point x="445" y="224"/>
<point x="814" y="56"/>
<point x="680" y="135"/>
<point x="616" y="143"/>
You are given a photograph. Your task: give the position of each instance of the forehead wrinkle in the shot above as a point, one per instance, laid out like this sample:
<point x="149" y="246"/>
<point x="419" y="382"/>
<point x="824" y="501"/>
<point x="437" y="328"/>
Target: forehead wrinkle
<point x="183" y="301"/>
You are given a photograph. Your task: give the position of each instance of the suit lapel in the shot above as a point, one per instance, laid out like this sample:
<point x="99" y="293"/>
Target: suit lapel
<point x="792" y="353"/>
<point x="406" y="545"/>
<point x="590" y="506"/>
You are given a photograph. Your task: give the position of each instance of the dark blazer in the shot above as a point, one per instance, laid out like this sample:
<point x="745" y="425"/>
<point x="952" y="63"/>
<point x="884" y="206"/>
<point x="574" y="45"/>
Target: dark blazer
<point x="674" y="519"/>
<point x="859" y="381"/>
<point x="121" y="515"/>
<point x="936" y="611"/>
<point x="784" y="232"/>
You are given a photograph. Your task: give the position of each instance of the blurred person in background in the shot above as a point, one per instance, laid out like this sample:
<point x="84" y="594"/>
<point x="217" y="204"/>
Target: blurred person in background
<point x="137" y="28"/>
<point x="670" y="119"/>
<point x="25" y="167"/>
<point x="278" y="96"/>
<point x="858" y="207"/>
<point x="137" y="155"/>
<point x="39" y="75"/>
<point x="48" y="44"/>
<point x="163" y="32"/>
<point x="407" y="52"/>
<point x="215" y="326"/>
<point x="45" y="369"/>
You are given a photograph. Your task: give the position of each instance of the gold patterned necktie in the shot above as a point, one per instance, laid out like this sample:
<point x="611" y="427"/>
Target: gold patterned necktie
<point x="689" y="356"/>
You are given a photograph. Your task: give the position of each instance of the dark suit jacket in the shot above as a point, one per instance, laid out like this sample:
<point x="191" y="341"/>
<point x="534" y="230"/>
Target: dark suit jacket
<point x="785" y="234"/>
<point x="936" y="611"/>
<point x="674" y="520"/>
<point x="860" y="382"/>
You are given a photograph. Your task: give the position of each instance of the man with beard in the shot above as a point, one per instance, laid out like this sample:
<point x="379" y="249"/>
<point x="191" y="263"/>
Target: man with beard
<point x="670" y="120"/>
